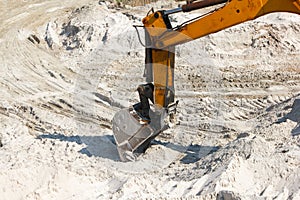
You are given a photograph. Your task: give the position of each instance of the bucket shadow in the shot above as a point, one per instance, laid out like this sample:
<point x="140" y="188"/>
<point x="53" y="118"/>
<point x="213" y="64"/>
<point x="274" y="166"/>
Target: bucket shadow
<point x="99" y="146"/>
<point x="193" y="153"/>
<point x="293" y="115"/>
<point x="196" y="152"/>
<point x="105" y="147"/>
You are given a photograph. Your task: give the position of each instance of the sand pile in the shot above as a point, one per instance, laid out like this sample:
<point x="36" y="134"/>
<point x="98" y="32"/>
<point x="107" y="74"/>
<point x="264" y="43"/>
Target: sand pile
<point x="68" y="66"/>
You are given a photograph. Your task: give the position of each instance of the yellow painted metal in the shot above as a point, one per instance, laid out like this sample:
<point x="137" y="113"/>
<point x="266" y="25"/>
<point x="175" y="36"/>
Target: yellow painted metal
<point x="162" y="62"/>
<point x="163" y="75"/>
<point x="297" y="4"/>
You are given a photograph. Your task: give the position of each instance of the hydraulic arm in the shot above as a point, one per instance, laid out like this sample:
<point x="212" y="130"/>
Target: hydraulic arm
<point x="135" y="127"/>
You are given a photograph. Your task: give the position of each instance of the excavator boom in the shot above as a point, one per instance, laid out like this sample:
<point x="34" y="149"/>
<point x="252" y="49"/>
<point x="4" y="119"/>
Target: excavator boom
<point x="135" y="127"/>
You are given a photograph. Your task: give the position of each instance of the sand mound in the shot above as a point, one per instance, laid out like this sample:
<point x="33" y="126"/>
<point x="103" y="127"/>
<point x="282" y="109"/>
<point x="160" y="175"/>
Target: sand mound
<point x="68" y="66"/>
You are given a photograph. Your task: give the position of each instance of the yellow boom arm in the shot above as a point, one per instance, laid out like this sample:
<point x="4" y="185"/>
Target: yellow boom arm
<point x="232" y="13"/>
<point x="161" y="38"/>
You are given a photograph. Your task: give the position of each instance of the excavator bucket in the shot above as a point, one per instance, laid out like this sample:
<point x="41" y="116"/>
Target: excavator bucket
<point x="133" y="135"/>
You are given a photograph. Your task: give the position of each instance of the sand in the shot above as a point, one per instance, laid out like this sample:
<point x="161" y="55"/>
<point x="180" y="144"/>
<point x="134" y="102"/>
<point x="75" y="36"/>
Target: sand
<point x="68" y="66"/>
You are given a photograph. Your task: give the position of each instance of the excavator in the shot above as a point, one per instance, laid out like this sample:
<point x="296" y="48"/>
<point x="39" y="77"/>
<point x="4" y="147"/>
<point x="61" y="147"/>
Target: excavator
<point x="135" y="127"/>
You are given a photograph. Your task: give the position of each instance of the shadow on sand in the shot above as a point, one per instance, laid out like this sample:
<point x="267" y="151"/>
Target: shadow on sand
<point x="105" y="147"/>
<point x="99" y="146"/>
<point x="294" y="116"/>
<point x="192" y="153"/>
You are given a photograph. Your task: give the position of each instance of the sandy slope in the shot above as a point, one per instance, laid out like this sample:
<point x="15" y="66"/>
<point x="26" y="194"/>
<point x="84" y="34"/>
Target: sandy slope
<point x="68" y="66"/>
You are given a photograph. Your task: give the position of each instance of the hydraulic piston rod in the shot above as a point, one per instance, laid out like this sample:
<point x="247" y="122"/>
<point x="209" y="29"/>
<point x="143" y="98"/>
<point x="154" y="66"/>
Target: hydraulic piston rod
<point x="195" y="6"/>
